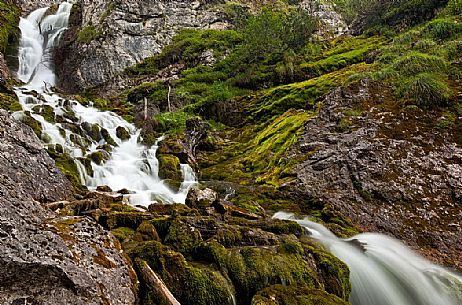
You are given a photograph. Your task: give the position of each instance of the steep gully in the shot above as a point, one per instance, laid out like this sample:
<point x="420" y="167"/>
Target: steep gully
<point x="383" y="271"/>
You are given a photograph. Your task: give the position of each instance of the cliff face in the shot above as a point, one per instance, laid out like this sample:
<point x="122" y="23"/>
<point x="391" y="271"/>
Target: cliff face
<point x="108" y="36"/>
<point x="48" y="259"/>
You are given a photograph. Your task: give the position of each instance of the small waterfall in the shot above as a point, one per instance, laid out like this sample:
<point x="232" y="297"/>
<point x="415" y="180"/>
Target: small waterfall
<point x="385" y="272"/>
<point x="84" y="131"/>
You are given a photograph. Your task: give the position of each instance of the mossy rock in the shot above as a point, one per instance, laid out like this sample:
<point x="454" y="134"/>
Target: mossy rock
<point x="10" y="102"/>
<point x="32" y="123"/>
<point x="46" y="111"/>
<point x="332" y="272"/>
<point x="123" y="233"/>
<point x="107" y="137"/>
<point x="295" y="295"/>
<point x="99" y="156"/>
<point x="92" y="130"/>
<point x="146" y="231"/>
<point x="252" y="269"/>
<point x="169" y="167"/>
<point x="190" y="284"/>
<point x="68" y="167"/>
<point x="183" y="238"/>
<point x="122" y="133"/>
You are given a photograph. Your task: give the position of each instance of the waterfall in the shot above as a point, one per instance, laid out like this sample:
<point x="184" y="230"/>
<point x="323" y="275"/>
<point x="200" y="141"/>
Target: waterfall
<point x="128" y="164"/>
<point x="383" y="271"/>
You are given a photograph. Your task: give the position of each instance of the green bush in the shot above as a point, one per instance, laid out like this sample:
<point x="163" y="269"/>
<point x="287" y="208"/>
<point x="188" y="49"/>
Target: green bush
<point x="87" y="34"/>
<point x="425" y="89"/>
<point x="414" y="63"/>
<point x="455" y="7"/>
<point x="441" y="29"/>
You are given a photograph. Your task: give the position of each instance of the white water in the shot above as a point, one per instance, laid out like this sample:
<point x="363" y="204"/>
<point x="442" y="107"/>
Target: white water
<point x="385" y="272"/>
<point x="131" y="165"/>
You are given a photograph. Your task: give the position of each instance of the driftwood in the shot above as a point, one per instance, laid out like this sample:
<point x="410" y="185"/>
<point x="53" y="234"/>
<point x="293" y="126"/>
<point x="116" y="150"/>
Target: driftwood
<point x="154" y="282"/>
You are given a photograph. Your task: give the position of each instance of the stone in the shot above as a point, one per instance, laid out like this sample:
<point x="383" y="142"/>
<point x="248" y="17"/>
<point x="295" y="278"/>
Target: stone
<point x="201" y="197"/>
<point x="47" y="259"/>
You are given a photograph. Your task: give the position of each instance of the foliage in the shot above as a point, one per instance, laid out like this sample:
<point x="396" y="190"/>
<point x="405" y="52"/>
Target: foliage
<point x="376" y="14"/>
<point x="454" y="7"/>
<point x="426" y="89"/>
<point x="186" y="48"/>
<point x="87" y="34"/>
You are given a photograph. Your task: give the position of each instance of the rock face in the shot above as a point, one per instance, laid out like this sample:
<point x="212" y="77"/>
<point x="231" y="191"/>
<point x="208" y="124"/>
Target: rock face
<point x="47" y="259"/>
<point x="109" y="36"/>
<point x="105" y="37"/>
<point x="390" y="173"/>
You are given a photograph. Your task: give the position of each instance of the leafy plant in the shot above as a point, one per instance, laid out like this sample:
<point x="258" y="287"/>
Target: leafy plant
<point x="426" y="89"/>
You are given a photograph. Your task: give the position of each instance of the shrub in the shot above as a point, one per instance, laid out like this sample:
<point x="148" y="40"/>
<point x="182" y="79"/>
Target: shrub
<point x="414" y="63"/>
<point x="441" y="29"/>
<point x="87" y="34"/>
<point x="425" y="89"/>
<point x="455" y="7"/>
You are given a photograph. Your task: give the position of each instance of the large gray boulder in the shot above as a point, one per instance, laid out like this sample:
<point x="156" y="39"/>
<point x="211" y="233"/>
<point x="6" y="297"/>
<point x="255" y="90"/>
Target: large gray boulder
<point x="48" y="259"/>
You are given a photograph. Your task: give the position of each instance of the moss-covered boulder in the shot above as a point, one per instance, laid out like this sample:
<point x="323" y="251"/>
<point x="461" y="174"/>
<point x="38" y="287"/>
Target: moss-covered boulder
<point x="295" y="295"/>
<point x="46" y="111"/>
<point x="107" y="137"/>
<point x="169" y="167"/>
<point x="190" y="284"/>
<point x="99" y="156"/>
<point x="122" y="133"/>
<point x="9" y="101"/>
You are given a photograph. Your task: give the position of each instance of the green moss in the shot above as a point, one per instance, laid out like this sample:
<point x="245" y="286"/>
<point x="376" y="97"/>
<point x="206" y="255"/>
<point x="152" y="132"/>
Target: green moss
<point x="183" y="238"/>
<point x="9" y="102"/>
<point x="342" y="53"/>
<point x="252" y="269"/>
<point x="98" y="157"/>
<point x="9" y="20"/>
<point x="122" y="133"/>
<point x="87" y="34"/>
<point x="172" y="122"/>
<point x="33" y="123"/>
<point x="295" y="295"/>
<point x="67" y="165"/>
<point x="169" y="167"/>
<point x="123" y="233"/>
<point x="186" y="47"/>
<point x="46" y="111"/>
<point x="190" y="284"/>
<point x="332" y="272"/>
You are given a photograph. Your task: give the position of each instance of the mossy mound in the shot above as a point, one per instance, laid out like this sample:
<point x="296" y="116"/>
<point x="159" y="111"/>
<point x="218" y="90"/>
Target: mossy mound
<point x="46" y="111"/>
<point x="295" y="295"/>
<point x="10" y="102"/>
<point x="169" y="167"/>
<point x="190" y="284"/>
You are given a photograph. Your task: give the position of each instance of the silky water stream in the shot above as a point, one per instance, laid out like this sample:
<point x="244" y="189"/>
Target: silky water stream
<point x="383" y="271"/>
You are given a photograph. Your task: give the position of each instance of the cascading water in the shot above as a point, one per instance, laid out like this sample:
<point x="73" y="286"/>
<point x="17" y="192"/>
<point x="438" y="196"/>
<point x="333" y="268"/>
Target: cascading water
<point x="83" y="131"/>
<point x="386" y="272"/>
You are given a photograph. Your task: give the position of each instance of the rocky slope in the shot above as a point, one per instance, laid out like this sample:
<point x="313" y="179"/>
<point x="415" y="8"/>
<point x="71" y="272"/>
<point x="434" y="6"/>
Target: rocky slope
<point x="49" y="259"/>
<point x="388" y="172"/>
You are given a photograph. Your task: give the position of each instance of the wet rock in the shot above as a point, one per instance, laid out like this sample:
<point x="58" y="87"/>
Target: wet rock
<point x="103" y="188"/>
<point x="122" y="133"/>
<point x="48" y="259"/>
<point x="201" y="198"/>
